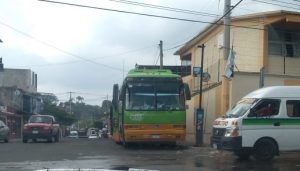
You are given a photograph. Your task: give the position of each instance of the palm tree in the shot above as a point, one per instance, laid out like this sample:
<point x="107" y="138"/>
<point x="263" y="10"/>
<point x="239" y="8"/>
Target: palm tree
<point x="79" y="99"/>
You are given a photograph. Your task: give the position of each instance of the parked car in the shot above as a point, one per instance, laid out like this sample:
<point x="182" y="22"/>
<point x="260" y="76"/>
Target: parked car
<point x="41" y="127"/>
<point x="4" y="132"/>
<point x="93" y="134"/>
<point x="91" y="130"/>
<point x="73" y="134"/>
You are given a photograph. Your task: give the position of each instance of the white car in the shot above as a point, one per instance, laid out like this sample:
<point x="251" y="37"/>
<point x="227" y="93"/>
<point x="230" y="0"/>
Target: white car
<point x="73" y="134"/>
<point x="93" y="134"/>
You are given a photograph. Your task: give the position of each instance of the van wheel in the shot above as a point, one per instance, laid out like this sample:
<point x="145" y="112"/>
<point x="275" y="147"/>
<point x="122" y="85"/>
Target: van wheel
<point x="264" y="149"/>
<point x="243" y="153"/>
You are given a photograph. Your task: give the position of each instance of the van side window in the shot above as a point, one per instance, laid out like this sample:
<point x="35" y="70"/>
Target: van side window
<point x="266" y="107"/>
<point x="293" y="108"/>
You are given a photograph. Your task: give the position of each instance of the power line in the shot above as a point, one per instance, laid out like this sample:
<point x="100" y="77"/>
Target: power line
<point x="76" y="61"/>
<point x="229" y="11"/>
<point x="270" y="3"/>
<point x="166" y="8"/>
<point x="155" y="59"/>
<point x="58" y="49"/>
<point x="215" y="23"/>
<point x="148" y="15"/>
<point x="285" y="2"/>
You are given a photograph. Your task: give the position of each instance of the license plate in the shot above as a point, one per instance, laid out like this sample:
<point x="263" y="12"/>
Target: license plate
<point x="155" y="136"/>
<point x="35" y="131"/>
<point x="215" y="146"/>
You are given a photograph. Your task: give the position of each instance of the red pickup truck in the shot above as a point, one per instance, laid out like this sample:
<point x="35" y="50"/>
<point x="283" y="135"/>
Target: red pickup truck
<point x="41" y="127"/>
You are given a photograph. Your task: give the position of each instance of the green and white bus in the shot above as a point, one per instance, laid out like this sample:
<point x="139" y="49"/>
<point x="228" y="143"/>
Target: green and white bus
<point x="149" y="108"/>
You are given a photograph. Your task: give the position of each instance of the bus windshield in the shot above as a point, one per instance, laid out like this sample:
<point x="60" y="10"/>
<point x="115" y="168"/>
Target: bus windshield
<point x="154" y="96"/>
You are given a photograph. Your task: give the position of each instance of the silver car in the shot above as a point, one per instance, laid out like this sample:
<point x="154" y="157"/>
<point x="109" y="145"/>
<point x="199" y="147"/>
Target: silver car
<point x="4" y="132"/>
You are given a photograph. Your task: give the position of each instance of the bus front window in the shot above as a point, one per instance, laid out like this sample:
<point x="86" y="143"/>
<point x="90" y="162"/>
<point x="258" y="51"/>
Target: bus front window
<point x="168" y="97"/>
<point x="140" y="98"/>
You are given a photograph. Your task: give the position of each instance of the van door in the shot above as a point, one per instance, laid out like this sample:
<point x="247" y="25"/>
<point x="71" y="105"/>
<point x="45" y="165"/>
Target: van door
<point x="291" y="125"/>
<point x="263" y="120"/>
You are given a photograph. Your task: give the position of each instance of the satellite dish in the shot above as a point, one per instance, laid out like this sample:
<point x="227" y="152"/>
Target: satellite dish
<point x="205" y="76"/>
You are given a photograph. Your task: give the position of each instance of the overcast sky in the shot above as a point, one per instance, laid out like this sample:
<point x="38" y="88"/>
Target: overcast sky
<point x="85" y="50"/>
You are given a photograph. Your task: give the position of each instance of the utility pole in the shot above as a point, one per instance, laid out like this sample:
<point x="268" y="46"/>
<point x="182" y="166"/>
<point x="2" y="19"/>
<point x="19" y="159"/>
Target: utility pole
<point x="161" y="55"/>
<point x="200" y="113"/>
<point x="70" y="101"/>
<point x="225" y="81"/>
<point x="201" y="74"/>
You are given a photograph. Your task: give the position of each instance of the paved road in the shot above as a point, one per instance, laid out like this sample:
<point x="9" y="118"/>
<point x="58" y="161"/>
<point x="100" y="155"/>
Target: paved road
<point x="103" y="153"/>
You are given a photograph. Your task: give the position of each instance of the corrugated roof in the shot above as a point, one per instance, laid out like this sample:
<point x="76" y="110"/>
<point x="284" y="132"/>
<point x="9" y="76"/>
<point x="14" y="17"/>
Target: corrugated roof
<point x="211" y="27"/>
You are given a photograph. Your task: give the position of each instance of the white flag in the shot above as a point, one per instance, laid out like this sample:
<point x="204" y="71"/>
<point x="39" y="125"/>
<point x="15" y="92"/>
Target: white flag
<point x="230" y="64"/>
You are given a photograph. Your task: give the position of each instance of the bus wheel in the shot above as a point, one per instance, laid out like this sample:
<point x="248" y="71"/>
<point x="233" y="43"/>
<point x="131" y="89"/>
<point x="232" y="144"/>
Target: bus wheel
<point x="264" y="149"/>
<point x="243" y="153"/>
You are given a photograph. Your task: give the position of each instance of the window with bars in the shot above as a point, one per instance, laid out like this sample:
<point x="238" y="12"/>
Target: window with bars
<point x="284" y="43"/>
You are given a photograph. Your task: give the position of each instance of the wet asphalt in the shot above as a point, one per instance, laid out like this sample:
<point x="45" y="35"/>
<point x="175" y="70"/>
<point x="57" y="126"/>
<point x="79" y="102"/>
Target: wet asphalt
<point x="105" y="154"/>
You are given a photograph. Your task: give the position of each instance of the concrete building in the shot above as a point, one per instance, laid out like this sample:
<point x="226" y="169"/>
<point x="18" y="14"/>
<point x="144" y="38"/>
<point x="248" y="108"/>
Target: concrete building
<point x="23" y="79"/>
<point x="18" y="97"/>
<point x="268" y="40"/>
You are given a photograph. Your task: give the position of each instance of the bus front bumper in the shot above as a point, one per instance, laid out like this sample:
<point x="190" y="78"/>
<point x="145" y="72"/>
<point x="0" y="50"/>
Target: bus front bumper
<point x="154" y="135"/>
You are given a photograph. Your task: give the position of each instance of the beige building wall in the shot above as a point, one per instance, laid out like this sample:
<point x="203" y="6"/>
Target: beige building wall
<point x="251" y="47"/>
<point x="244" y="83"/>
<point x="190" y="122"/>
<point x="276" y="65"/>
<point x="208" y="104"/>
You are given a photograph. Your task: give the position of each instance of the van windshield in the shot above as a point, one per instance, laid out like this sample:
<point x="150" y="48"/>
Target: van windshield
<point x="240" y="108"/>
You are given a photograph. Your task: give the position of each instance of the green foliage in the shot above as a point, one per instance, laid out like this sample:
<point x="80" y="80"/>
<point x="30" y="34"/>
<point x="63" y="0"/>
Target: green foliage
<point x="60" y="114"/>
<point x="79" y="99"/>
<point x="49" y="98"/>
<point x="98" y="124"/>
<point x="106" y="105"/>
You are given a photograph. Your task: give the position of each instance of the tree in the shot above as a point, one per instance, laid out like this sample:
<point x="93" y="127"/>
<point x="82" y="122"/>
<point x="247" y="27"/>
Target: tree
<point x="60" y="114"/>
<point x="106" y="105"/>
<point x="79" y="99"/>
<point x="49" y="98"/>
<point x="98" y="124"/>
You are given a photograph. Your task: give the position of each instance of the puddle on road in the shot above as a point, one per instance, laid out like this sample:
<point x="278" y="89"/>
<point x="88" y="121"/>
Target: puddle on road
<point x="226" y="161"/>
<point x="120" y="168"/>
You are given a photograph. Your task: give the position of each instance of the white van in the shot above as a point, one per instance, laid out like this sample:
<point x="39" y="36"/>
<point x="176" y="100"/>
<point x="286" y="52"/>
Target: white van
<point x="263" y="123"/>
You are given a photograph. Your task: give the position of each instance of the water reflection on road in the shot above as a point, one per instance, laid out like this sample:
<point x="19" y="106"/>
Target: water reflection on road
<point x="103" y="154"/>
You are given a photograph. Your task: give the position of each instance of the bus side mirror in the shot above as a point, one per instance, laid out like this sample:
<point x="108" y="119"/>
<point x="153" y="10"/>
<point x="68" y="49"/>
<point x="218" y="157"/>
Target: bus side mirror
<point x="187" y="92"/>
<point x="115" y="95"/>
<point x="122" y="94"/>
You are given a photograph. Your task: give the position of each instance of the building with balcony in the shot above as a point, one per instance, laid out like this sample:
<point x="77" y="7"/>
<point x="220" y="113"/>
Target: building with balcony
<point x="267" y="41"/>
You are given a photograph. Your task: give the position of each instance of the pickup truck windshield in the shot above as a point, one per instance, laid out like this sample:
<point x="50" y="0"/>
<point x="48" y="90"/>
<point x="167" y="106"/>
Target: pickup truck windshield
<point x="240" y="108"/>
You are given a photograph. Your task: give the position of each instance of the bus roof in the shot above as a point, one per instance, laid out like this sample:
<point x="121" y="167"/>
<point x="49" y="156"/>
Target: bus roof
<point x="275" y="92"/>
<point x="151" y="73"/>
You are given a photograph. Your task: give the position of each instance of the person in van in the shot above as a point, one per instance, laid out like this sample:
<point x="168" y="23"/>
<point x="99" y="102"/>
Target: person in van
<point x="266" y="108"/>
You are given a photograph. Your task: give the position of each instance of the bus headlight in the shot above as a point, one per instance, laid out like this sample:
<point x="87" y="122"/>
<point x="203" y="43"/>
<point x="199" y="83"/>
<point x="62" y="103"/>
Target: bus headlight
<point x="232" y="132"/>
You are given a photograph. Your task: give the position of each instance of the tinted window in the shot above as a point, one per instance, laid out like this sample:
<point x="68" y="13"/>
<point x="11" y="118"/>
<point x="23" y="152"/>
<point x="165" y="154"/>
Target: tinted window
<point x="266" y="107"/>
<point x="293" y="108"/>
